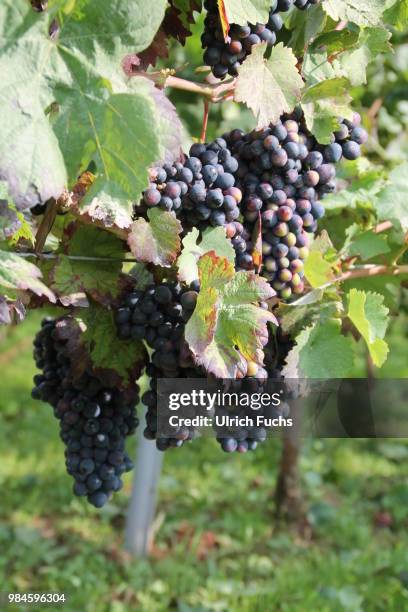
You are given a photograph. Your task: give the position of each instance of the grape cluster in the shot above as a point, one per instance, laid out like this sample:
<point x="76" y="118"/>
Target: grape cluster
<point x="226" y="57"/>
<point x="94" y="419"/>
<point x="158" y="315"/>
<point x="201" y="190"/>
<point x="284" y="174"/>
<point x="265" y="186"/>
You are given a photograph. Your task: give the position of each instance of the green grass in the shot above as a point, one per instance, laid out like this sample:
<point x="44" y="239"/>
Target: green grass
<point x="217" y="546"/>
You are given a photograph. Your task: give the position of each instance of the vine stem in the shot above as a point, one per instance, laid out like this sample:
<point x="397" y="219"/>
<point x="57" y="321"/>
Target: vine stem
<point x="205" y="120"/>
<point x="355" y="272"/>
<point x="368" y="271"/>
<point x="79" y="257"/>
<point x="214" y="92"/>
<point x="383" y="227"/>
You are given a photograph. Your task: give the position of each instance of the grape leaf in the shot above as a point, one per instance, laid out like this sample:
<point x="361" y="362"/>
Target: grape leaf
<point x="321" y="351"/>
<point x="178" y="18"/>
<point x="365" y="245"/>
<point x="101" y="205"/>
<point x="97" y="279"/>
<point x="213" y="239"/>
<point x="304" y="26"/>
<point x="247" y="11"/>
<point x="397" y="14"/>
<point x="324" y="102"/>
<point x="354" y="62"/>
<point x="106" y="350"/>
<point x="269" y="87"/>
<point x="228" y="328"/>
<point x="159" y="48"/>
<point x="91" y="201"/>
<point x="316" y="67"/>
<point x="18" y="274"/>
<point x="13" y="225"/>
<point x="9" y="221"/>
<point x="156" y="241"/>
<point x="391" y="203"/>
<point x="361" y="12"/>
<point x="11" y="310"/>
<point x="318" y="270"/>
<point x="370" y="316"/>
<point x="73" y="76"/>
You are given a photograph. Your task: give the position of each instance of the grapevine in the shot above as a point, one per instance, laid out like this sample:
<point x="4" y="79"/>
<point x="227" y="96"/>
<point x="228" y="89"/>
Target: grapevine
<point x="255" y="249"/>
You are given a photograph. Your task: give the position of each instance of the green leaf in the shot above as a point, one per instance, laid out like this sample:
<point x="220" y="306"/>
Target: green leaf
<point x="316" y="67"/>
<point x="370" y="44"/>
<point x="213" y="239"/>
<point x="102" y="204"/>
<point x="269" y="87"/>
<point x="97" y="279"/>
<point x="397" y="15"/>
<point x="361" y="12"/>
<point x="326" y="97"/>
<point x="330" y="88"/>
<point x="247" y="11"/>
<point x="95" y="113"/>
<point x="336" y="41"/>
<point x="106" y="350"/>
<point x="9" y="221"/>
<point x="18" y="274"/>
<point x="365" y="245"/>
<point x="370" y="317"/>
<point x="304" y="26"/>
<point x="156" y="241"/>
<point x="228" y="328"/>
<point x="321" y="351"/>
<point x="318" y="271"/>
<point x="392" y="203"/>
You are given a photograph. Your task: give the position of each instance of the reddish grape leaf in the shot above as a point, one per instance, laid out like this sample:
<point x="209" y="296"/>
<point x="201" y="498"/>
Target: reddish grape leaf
<point x="223" y="18"/>
<point x="18" y="274"/>
<point x="11" y="310"/>
<point x="257" y="242"/>
<point x="228" y="327"/>
<point x="158" y="49"/>
<point x="156" y="241"/>
<point x="176" y="19"/>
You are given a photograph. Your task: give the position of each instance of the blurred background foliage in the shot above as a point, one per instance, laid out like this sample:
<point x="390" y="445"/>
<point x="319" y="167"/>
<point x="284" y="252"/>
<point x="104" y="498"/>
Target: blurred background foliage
<point x="218" y="546"/>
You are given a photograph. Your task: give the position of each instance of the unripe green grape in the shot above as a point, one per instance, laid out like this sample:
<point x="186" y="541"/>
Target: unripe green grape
<point x="289" y="240"/>
<point x="286" y="293"/>
<point x="285" y="276"/>
<point x="304" y="252"/>
<point x="278" y="285"/>
<point x="296" y="280"/>
<point x="283" y="262"/>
